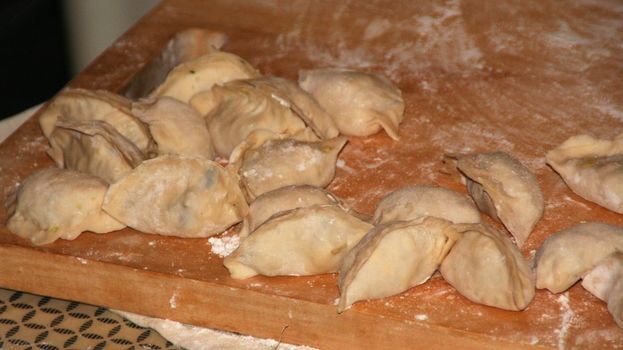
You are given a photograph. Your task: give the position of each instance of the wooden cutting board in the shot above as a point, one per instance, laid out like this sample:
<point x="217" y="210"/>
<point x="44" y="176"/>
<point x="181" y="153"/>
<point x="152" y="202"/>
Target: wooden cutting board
<point x="519" y="77"/>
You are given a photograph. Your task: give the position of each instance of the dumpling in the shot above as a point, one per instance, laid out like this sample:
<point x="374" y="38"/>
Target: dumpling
<point x="235" y="110"/>
<point x="605" y="282"/>
<point x="202" y="74"/>
<point x="394" y="257"/>
<point x="267" y="164"/>
<point x="283" y="199"/>
<point x="592" y="168"/>
<point x="411" y="202"/>
<point x="176" y="127"/>
<point x="79" y="105"/>
<point x="301" y="102"/>
<point x="57" y="203"/>
<point x="93" y="147"/>
<point x="487" y="268"/>
<point x="177" y="196"/>
<point x="359" y="103"/>
<point x="567" y="255"/>
<point x="303" y="241"/>
<point x="504" y="189"/>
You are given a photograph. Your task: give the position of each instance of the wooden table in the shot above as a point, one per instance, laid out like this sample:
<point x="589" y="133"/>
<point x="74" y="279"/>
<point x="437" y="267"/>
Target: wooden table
<point x="476" y="76"/>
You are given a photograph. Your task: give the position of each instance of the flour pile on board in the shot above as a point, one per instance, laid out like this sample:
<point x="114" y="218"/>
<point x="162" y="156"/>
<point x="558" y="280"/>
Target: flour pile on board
<point x="223" y="246"/>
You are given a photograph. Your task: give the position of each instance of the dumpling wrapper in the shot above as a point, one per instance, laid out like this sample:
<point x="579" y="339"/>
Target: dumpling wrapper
<point x="93" y="147"/>
<point x="237" y="109"/>
<point x="592" y="168"/>
<point x="177" y="196"/>
<point x="411" y="202"/>
<point x="303" y="241"/>
<point x="284" y="199"/>
<point x="567" y="255"/>
<point x="487" y="268"/>
<point x="359" y="103"/>
<point x="266" y="162"/>
<point x="394" y="257"/>
<point x="202" y="73"/>
<point x="176" y="127"/>
<point x="504" y="189"/>
<point x="79" y="105"/>
<point x="605" y="281"/>
<point x="57" y="203"/>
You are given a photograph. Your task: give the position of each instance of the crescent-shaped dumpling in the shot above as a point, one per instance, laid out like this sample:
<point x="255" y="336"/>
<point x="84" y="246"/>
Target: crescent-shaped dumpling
<point x="235" y="110"/>
<point x="177" y="196"/>
<point x="394" y="257"/>
<point x="487" y="268"/>
<point x="504" y="189"/>
<point x="79" y="105"/>
<point x="57" y="203"/>
<point x="567" y="255"/>
<point x="359" y="103"/>
<point x="283" y="199"/>
<point x="411" y="202"/>
<point x="176" y="127"/>
<point x="303" y="241"/>
<point x="592" y="168"/>
<point x="202" y="73"/>
<point x="267" y="164"/>
<point x="94" y="147"/>
<point x="605" y="281"/>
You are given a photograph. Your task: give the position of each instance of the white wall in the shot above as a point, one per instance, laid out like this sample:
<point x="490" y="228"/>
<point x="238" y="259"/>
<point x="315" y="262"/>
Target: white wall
<point x="92" y="25"/>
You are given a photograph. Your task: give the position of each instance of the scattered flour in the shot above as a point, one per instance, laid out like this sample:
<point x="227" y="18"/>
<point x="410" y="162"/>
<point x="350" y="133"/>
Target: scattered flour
<point x="421" y="317"/>
<point x="173" y="301"/>
<point x="565" y="321"/>
<point x="225" y="245"/>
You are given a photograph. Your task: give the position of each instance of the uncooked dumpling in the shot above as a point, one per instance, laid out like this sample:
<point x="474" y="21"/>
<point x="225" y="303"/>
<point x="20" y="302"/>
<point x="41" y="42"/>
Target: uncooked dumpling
<point x="303" y="241"/>
<point x="79" y="105"/>
<point x="203" y="73"/>
<point x="235" y="110"/>
<point x="605" y="282"/>
<point x="93" y="147"/>
<point x="394" y="257"/>
<point x="592" y="168"/>
<point x="177" y="196"/>
<point x="504" y="189"/>
<point x="487" y="268"/>
<point x="567" y="255"/>
<point x="176" y="127"/>
<point x="267" y="164"/>
<point x="57" y="203"/>
<point x="301" y="102"/>
<point x="359" y="103"/>
<point x="411" y="202"/>
<point x="283" y="199"/>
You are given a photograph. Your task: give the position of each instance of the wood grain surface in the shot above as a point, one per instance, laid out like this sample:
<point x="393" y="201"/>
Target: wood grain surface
<point x="519" y="77"/>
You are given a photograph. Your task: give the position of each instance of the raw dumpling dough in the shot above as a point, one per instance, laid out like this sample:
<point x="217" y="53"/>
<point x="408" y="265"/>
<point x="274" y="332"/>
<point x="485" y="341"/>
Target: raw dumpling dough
<point x="592" y="168"/>
<point x="267" y="163"/>
<point x="203" y="73"/>
<point x="57" y="203"/>
<point x="411" y="202"/>
<point x="360" y="103"/>
<point x="233" y="111"/>
<point x="394" y="257"/>
<point x="79" y="105"/>
<point x="176" y="127"/>
<point x="605" y="282"/>
<point x="283" y="199"/>
<point x="504" y="189"/>
<point x="487" y="268"/>
<point x="177" y="196"/>
<point x="93" y="147"/>
<point x="567" y="255"/>
<point x="303" y="241"/>
<point x="301" y="102"/>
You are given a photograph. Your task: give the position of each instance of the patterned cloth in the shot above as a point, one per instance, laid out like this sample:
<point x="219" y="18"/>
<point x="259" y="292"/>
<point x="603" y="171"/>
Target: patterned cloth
<point x="34" y="322"/>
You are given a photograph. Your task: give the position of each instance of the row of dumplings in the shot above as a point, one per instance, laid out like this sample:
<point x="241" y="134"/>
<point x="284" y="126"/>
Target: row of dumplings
<point x="150" y="164"/>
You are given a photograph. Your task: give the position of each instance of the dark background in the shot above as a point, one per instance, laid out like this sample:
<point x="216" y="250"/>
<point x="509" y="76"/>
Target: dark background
<point x="34" y="61"/>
